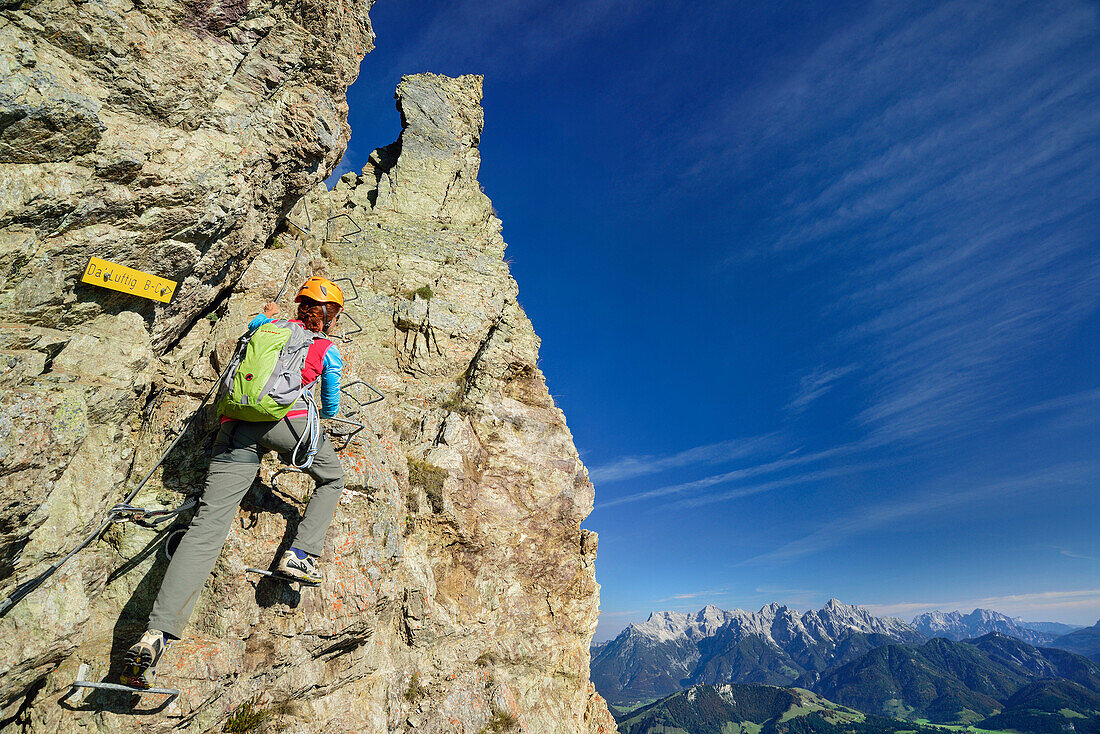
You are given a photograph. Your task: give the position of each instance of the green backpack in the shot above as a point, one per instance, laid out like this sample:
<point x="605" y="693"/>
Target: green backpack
<point x="266" y="379"/>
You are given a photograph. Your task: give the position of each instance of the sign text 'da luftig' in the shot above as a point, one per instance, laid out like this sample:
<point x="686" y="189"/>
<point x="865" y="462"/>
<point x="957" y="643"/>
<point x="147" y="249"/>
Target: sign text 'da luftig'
<point x="107" y="274"/>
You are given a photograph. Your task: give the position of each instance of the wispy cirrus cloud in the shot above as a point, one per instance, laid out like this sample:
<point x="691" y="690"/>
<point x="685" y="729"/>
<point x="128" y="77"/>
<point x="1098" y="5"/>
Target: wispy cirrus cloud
<point x="708" y="593"/>
<point x="949" y="188"/>
<point x="794" y="480"/>
<point x="815" y="384"/>
<point x="777" y="591"/>
<point x="791" y="597"/>
<point x="1085" y="398"/>
<point x="621" y="613"/>
<point x="1068" y="553"/>
<point x="840" y="530"/>
<point x="631" y="467"/>
<point x="745" y="472"/>
<point x="942" y="163"/>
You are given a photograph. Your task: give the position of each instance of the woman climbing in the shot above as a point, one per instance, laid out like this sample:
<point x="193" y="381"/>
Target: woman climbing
<point x="265" y="407"/>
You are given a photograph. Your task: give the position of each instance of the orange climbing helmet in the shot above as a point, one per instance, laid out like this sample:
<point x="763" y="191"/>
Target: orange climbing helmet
<point x="321" y="290"/>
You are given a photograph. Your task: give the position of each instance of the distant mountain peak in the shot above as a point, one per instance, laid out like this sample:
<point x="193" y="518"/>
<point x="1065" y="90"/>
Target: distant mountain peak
<point x="834" y="618"/>
<point x="991" y="614"/>
<point x="718" y="645"/>
<point x="958" y="626"/>
<point x="666" y="626"/>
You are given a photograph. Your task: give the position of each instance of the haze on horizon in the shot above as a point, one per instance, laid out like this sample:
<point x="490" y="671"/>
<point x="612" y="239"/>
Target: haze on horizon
<point x="818" y="286"/>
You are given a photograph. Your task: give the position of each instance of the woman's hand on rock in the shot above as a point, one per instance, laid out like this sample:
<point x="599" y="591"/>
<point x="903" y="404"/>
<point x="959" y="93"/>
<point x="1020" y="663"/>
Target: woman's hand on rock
<point x="271" y="309"/>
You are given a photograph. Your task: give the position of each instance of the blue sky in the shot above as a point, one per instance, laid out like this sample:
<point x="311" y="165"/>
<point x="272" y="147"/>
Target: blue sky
<point x="818" y="285"/>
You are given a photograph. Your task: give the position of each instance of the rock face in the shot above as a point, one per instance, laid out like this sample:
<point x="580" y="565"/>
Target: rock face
<point x="171" y="135"/>
<point x="460" y="592"/>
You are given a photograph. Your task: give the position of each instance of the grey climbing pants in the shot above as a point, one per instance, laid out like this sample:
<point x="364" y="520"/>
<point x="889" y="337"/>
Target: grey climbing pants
<point x="234" y="463"/>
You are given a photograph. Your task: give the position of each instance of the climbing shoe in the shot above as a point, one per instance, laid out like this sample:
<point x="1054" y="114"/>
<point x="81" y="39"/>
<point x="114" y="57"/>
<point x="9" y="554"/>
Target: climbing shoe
<point x="142" y="658"/>
<point x="298" y="565"/>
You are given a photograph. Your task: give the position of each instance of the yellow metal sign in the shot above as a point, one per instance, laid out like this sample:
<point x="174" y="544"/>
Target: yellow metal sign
<point x="117" y="277"/>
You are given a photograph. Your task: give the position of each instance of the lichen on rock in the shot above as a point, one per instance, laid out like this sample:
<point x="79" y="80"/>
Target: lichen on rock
<point x="174" y="138"/>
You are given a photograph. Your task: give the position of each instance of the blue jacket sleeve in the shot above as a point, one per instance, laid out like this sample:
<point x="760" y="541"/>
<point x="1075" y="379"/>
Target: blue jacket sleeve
<point x="258" y="322"/>
<point x="332" y="366"/>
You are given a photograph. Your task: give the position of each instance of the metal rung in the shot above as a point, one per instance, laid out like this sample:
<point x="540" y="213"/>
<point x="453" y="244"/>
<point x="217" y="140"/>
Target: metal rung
<point x="348" y="421"/>
<point x="354" y="290"/>
<point x="348" y="436"/>
<point x="278" y="576"/>
<point x="173" y="692"/>
<point x="346" y="390"/>
<point x="83" y="671"/>
<point x="347" y="335"/>
<point x="343" y="237"/>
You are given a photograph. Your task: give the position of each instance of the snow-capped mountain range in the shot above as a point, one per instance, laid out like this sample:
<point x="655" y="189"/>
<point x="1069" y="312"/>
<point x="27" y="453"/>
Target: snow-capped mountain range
<point x="835" y="620"/>
<point x="776" y="645"/>
<point x="667" y="626"/>
<point x="959" y="626"/>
